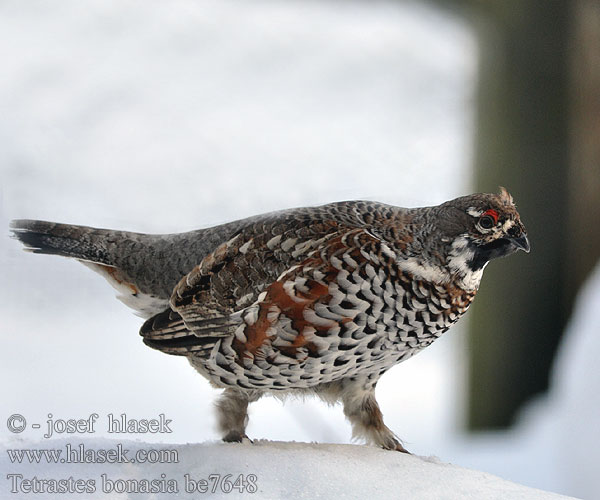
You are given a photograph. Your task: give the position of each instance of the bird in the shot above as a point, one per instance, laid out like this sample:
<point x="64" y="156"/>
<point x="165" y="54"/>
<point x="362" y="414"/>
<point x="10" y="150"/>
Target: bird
<point x="317" y="300"/>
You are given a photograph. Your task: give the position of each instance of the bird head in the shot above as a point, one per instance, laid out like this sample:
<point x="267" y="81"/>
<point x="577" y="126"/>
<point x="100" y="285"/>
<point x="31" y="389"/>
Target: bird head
<point x="482" y="227"/>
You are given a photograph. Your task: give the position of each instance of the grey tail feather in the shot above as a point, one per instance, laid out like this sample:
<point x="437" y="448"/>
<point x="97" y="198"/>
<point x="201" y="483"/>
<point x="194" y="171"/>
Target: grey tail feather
<point x="80" y="242"/>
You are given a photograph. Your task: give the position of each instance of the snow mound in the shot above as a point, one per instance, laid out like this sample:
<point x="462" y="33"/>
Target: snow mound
<point x="264" y="469"/>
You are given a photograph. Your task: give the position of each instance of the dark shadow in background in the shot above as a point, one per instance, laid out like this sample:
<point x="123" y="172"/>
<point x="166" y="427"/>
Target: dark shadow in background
<point x="538" y="134"/>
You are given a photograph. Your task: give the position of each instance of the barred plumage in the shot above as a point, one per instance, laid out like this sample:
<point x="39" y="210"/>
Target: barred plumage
<point x="322" y="299"/>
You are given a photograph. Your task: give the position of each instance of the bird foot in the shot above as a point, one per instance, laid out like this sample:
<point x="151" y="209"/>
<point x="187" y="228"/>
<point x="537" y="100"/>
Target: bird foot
<point x="236" y="437"/>
<point x="402" y="449"/>
<point x="393" y="444"/>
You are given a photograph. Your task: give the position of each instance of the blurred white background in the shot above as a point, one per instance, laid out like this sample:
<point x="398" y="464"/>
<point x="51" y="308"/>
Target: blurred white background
<point x="161" y="116"/>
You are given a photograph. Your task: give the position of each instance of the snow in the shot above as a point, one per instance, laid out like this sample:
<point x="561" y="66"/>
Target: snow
<point x="167" y="116"/>
<point x="277" y="470"/>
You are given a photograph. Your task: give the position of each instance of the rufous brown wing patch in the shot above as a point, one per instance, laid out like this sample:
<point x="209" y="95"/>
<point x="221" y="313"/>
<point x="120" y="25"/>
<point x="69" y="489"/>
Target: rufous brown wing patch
<point x="294" y="308"/>
<point x="293" y="299"/>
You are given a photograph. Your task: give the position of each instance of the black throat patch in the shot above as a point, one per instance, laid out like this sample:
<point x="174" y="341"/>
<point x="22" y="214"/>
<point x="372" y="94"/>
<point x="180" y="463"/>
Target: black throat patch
<point x="484" y="253"/>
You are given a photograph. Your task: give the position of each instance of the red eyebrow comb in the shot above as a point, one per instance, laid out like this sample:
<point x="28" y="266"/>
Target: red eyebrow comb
<point x="493" y="214"/>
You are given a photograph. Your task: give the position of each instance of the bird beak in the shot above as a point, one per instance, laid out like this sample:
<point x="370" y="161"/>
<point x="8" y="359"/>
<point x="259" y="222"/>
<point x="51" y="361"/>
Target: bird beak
<point x="521" y="243"/>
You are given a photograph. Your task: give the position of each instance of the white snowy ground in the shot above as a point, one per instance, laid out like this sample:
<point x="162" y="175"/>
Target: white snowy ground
<point x="167" y="116"/>
<point x="272" y="470"/>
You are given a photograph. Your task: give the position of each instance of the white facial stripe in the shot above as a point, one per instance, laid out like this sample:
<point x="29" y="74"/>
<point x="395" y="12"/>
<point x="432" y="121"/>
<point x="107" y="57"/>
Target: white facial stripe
<point x="473" y="212"/>
<point x="507" y="225"/>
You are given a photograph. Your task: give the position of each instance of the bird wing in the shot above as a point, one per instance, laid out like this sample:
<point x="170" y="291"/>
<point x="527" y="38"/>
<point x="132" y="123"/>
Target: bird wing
<point x="208" y="301"/>
<point x="305" y="310"/>
<point x="289" y="314"/>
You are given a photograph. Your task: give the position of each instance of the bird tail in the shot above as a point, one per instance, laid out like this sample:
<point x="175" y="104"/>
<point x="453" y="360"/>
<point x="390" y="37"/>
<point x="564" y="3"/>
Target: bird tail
<point x="108" y="253"/>
<point x="79" y="242"/>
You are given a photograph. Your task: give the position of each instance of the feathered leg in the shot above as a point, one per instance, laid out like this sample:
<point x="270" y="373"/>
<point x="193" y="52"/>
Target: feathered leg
<point x="232" y="413"/>
<point x="362" y="410"/>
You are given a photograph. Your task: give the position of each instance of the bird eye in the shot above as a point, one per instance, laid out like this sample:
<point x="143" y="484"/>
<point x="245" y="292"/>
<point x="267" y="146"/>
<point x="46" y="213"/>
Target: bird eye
<point x="486" y="222"/>
<point x="488" y="219"/>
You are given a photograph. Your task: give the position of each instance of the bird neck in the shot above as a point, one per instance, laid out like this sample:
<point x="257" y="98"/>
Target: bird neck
<point x="451" y="264"/>
<point x="460" y="264"/>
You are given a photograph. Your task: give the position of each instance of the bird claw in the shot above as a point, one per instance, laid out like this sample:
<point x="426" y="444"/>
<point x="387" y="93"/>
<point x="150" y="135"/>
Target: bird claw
<point x="402" y="449"/>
